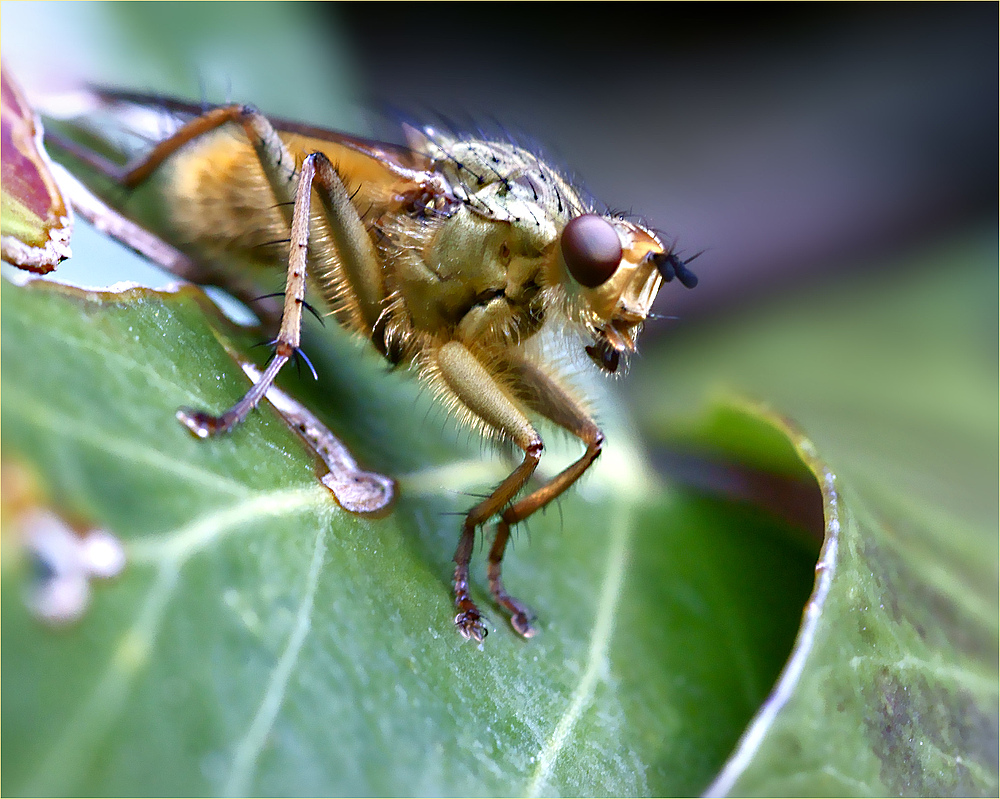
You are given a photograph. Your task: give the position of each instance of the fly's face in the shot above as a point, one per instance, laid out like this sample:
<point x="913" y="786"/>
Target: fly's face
<point x="613" y="270"/>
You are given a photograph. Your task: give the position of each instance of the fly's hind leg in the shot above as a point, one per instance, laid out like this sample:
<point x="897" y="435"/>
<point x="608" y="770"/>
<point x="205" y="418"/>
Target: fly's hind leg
<point x="355" y="251"/>
<point x="356" y="490"/>
<point x="278" y="165"/>
<point x="203" y="424"/>
<point x="293" y="194"/>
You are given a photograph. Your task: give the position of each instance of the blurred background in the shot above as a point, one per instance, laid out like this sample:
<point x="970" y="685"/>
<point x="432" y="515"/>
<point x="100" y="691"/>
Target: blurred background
<point x="791" y="142"/>
<point x="786" y="140"/>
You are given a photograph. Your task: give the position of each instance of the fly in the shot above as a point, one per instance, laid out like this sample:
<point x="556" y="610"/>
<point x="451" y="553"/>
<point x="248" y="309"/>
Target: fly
<point x="449" y="254"/>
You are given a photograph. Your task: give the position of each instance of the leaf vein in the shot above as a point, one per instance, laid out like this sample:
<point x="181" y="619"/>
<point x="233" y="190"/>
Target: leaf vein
<point x="597" y="655"/>
<point x="250" y="747"/>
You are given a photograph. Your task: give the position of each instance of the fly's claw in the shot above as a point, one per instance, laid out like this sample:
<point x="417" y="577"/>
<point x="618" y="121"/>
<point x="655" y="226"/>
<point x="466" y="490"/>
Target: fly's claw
<point x="470" y="625"/>
<point x="201" y="424"/>
<point x="521" y="622"/>
<point x="520" y="614"/>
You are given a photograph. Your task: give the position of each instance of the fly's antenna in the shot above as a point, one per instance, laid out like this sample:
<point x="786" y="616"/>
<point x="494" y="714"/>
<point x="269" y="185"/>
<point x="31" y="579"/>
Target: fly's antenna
<point x="670" y="267"/>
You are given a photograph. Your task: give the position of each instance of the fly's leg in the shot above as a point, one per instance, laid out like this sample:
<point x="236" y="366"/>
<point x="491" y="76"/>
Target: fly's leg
<point x="110" y="222"/>
<point x="479" y="392"/>
<point x="355" y="489"/>
<point x="204" y="424"/>
<point x="550" y="400"/>
<point x="353" y="246"/>
<point x="356" y="252"/>
<point x="277" y="163"/>
<point x="521" y="616"/>
<point x="293" y="194"/>
<point x="278" y="166"/>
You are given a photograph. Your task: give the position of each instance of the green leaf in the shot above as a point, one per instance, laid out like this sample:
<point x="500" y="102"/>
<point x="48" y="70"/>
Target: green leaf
<point x="893" y="687"/>
<point x="261" y="640"/>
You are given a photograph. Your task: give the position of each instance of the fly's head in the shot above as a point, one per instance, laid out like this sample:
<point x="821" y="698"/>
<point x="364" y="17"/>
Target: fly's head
<point x="613" y="269"/>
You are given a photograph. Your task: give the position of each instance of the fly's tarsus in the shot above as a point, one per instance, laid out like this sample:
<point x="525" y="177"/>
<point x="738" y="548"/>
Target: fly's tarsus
<point x="201" y="424"/>
<point x="520" y="615"/>
<point x="468" y="621"/>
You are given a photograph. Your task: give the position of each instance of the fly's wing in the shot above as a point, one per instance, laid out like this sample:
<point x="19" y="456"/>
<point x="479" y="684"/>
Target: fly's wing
<point x="367" y="159"/>
<point x="211" y="197"/>
<point x="372" y="172"/>
<point x="122" y="125"/>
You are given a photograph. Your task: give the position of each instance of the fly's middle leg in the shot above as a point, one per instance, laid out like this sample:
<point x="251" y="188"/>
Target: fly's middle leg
<point x="479" y="391"/>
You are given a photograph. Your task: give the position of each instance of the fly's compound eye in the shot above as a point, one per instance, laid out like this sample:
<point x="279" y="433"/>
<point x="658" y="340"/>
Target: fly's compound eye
<point x="591" y="249"/>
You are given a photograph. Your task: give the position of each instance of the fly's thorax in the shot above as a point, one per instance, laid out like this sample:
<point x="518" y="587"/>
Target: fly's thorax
<point x="471" y="277"/>
<point x="502" y="181"/>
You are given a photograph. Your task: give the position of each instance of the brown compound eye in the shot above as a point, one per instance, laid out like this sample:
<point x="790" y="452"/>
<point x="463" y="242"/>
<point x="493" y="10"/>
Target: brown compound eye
<point x="591" y="249"/>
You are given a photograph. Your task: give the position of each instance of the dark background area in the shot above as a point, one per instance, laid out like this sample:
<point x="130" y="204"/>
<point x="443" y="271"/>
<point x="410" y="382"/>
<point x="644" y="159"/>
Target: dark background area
<point x="791" y="142"/>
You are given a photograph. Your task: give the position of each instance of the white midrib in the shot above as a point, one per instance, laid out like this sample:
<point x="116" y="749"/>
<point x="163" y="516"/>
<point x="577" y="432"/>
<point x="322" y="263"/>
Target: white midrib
<point x="597" y="652"/>
<point x="250" y="747"/>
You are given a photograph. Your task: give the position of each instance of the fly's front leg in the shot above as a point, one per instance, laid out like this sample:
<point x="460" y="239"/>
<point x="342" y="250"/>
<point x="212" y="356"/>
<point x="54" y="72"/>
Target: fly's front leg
<point x="550" y="400"/>
<point x="480" y="393"/>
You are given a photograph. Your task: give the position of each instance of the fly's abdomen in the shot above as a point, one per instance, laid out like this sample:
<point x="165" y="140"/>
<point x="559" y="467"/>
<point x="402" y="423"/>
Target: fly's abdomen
<point x="219" y="200"/>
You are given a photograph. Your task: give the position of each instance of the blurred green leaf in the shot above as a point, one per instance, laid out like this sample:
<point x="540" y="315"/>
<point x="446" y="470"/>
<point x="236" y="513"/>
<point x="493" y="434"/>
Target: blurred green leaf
<point x="895" y="384"/>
